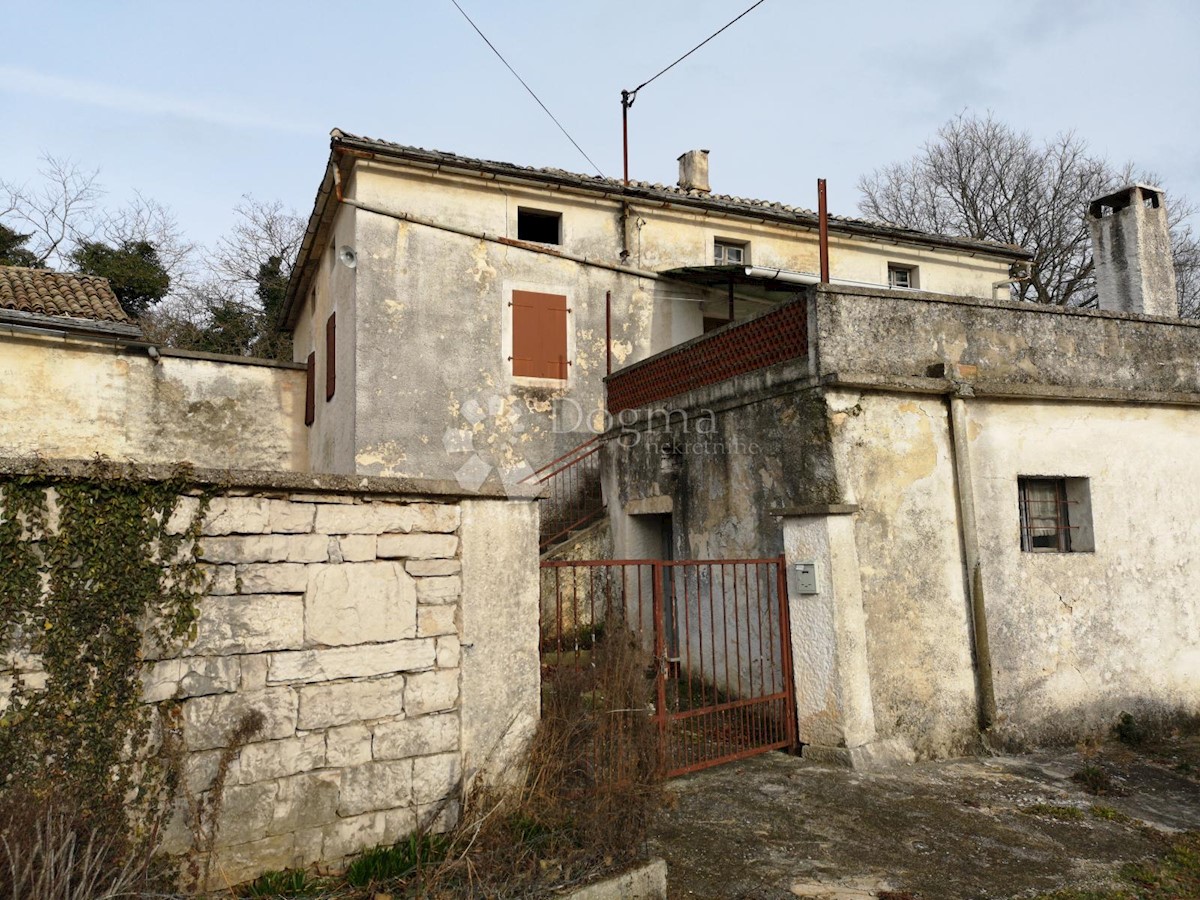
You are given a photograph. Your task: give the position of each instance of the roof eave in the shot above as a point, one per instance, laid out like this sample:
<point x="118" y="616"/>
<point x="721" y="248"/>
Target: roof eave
<point x="430" y="159"/>
<point x="306" y="263"/>
<point x="37" y="322"/>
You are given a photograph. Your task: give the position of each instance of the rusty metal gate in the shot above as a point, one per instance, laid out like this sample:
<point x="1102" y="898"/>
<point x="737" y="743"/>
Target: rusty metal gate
<point x="716" y="630"/>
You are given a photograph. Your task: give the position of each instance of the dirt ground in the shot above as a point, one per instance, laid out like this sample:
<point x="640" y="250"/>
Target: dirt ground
<point x="999" y="827"/>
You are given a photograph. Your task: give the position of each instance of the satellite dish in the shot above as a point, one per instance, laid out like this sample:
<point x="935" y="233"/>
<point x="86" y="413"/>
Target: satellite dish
<point x="348" y="257"/>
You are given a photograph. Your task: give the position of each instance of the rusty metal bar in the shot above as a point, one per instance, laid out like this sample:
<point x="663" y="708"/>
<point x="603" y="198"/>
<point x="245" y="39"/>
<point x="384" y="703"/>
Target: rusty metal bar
<point x="625" y="104"/>
<point x="660" y="662"/>
<point x="785" y="642"/>
<point x="823" y="229"/>
<point x="608" y="332"/>
<point x="705" y="721"/>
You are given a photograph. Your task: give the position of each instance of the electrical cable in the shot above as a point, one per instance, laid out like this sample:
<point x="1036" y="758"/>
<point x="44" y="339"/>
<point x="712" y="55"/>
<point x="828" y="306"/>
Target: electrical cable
<point x="530" y="90"/>
<point x="633" y="93"/>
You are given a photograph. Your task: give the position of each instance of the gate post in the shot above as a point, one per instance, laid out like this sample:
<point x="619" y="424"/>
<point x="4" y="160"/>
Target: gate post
<point x="835" y="716"/>
<point x="785" y="641"/>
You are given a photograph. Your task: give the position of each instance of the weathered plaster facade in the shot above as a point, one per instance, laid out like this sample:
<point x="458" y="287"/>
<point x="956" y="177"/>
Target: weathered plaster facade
<point x="437" y="261"/>
<point x="75" y="398"/>
<point x="850" y="458"/>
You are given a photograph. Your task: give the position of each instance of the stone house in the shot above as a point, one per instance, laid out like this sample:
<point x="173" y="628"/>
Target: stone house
<point x="987" y="508"/>
<point x="459" y="315"/>
<point x="984" y="509"/>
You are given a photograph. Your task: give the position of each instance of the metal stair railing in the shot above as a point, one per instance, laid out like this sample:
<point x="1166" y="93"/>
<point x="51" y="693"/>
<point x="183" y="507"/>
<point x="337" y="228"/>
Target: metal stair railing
<point x="573" y="498"/>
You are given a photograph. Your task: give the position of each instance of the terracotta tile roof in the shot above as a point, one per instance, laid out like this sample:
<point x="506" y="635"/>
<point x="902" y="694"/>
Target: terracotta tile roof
<point x="49" y="293"/>
<point x="672" y="193"/>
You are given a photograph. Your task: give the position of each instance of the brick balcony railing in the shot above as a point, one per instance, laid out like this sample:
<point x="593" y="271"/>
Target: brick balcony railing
<point x="773" y="337"/>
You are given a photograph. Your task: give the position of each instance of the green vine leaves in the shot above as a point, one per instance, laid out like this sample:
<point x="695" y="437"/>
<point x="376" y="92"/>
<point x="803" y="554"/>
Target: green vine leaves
<point x="96" y="574"/>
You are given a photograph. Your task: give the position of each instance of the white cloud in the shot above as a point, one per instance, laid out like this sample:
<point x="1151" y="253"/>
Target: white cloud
<point x="18" y="80"/>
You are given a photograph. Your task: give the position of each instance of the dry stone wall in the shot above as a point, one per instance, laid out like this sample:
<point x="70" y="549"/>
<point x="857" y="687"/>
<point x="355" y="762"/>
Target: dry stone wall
<point x="337" y="618"/>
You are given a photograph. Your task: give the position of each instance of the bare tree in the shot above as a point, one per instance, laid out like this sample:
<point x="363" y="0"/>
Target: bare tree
<point x="981" y="179"/>
<point x="58" y="213"/>
<point x="145" y="220"/>
<point x="233" y="304"/>
<point x="264" y="230"/>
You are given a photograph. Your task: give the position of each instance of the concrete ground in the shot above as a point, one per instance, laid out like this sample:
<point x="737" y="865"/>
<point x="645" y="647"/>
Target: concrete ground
<point x="1000" y="827"/>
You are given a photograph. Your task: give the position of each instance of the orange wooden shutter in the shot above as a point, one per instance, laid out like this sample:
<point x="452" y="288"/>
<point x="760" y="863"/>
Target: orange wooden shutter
<point x="539" y="328"/>
<point x="330" y="356"/>
<point x="310" y="385"/>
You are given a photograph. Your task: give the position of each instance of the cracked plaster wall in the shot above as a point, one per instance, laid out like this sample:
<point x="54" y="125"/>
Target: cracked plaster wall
<point x="1078" y="638"/>
<point x="73" y="399"/>
<point x="435" y="396"/>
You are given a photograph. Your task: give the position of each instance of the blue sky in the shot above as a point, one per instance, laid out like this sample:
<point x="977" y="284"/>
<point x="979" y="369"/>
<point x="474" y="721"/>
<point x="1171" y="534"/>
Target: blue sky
<point x="198" y="103"/>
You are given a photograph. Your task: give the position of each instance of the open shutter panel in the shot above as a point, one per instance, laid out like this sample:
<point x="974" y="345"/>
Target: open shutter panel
<point x="330" y="356"/>
<point x="539" y="335"/>
<point x="310" y="389"/>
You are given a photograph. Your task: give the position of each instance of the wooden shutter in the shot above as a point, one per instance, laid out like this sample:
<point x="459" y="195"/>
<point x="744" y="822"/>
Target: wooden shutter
<point x="330" y="356"/>
<point x="539" y="335"/>
<point x="310" y="389"/>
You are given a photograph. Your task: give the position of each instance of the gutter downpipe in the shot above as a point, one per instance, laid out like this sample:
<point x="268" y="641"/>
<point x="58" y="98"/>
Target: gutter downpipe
<point x="964" y="492"/>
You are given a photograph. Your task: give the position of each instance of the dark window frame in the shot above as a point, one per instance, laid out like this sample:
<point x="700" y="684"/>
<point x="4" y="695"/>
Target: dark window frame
<point x="1034" y="516"/>
<point x="536" y="226"/>
<point x="310" y="389"/>
<point x="330" y="356"/>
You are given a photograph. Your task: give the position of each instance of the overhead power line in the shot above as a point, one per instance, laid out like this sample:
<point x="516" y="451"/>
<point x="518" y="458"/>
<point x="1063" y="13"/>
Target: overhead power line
<point x="627" y="97"/>
<point x="694" y="49"/>
<point x="500" y="56"/>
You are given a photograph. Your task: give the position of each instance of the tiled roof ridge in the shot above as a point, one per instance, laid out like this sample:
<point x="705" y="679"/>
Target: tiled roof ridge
<point x="746" y="203"/>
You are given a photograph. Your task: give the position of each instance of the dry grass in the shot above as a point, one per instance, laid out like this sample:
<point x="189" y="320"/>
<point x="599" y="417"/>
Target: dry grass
<point x="50" y="851"/>
<point x="592" y="783"/>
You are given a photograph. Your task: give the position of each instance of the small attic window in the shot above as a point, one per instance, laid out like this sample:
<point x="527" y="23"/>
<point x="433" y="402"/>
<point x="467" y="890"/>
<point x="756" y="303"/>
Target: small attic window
<point x="539" y="227"/>
<point x="902" y="277"/>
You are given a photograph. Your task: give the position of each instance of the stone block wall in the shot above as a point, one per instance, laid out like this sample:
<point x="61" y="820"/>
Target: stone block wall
<point x="338" y="617"/>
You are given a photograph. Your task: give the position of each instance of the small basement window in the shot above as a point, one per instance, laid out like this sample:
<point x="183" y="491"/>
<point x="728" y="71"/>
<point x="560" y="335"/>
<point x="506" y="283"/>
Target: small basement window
<point x="539" y="227"/>
<point x="900" y="277"/>
<point x="1056" y="515"/>
<point x="730" y="253"/>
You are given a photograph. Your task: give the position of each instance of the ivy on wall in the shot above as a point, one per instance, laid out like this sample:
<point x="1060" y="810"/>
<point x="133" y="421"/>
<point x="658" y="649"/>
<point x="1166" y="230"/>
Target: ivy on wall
<point x="91" y="582"/>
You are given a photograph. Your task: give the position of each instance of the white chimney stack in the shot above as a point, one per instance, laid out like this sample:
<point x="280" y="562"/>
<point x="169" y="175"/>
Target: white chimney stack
<point x="693" y="171"/>
<point x="1131" y="246"/>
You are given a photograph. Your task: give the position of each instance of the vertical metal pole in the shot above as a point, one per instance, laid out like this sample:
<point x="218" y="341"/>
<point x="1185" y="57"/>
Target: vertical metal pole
<point x="660" y="659"/>
<point x="608" y="330"/>
<point x="823" y="226"/>
<point x="625" y="132"/>
<point x="785" y="635"/>
<point x="731" y="301"/>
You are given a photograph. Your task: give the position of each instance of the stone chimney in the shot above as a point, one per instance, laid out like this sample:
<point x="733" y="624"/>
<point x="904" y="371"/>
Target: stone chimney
<point x="1131" y="245"/>
<point x="693" y="171"/>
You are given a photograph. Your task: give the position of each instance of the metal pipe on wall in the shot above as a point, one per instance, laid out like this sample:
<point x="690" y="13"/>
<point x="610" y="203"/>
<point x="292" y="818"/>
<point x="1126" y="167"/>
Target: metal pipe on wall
<point x="823" y="230"/>
<point x="608" y="331"/>
<point x="964" y="491"/>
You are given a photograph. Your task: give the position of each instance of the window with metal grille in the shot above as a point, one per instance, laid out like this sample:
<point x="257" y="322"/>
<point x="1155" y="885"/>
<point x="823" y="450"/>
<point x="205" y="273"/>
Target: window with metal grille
<point x="1056" y="515"/>
<point x="729" y="253"/>
<point x="539" y="227"/>
<point x="539" y="335"/>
